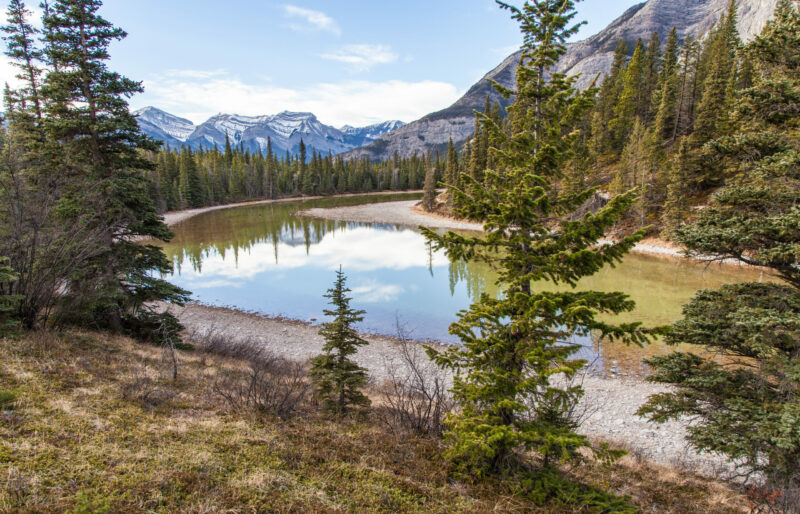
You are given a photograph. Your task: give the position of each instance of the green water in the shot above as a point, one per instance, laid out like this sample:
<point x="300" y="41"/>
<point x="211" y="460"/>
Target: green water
<point x="264" y="258"/>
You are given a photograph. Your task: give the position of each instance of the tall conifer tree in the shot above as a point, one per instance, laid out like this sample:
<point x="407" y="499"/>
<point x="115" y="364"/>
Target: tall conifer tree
<point x="87" y="113"/>
<point x="513" y="346"/>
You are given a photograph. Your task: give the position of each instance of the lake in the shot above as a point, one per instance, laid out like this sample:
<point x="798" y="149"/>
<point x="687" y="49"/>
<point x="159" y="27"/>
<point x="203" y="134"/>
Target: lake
<point x="266" y="259"/>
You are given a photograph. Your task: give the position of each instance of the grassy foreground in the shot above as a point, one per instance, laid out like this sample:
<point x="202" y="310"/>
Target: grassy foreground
<point x="92" y="423"/>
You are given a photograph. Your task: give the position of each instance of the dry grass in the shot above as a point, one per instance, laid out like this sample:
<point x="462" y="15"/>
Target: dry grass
<point x="97" y="425"/>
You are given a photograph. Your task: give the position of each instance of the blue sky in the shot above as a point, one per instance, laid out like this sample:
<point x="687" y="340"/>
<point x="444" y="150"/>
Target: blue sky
<point x="348" y="61"/>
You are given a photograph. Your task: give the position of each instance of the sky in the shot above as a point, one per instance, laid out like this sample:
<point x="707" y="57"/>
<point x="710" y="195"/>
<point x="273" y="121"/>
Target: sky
<point x="352" y="62"/>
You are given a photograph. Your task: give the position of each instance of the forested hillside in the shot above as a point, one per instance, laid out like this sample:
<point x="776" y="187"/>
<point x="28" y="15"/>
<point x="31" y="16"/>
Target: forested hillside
<point x="653" y="117"/>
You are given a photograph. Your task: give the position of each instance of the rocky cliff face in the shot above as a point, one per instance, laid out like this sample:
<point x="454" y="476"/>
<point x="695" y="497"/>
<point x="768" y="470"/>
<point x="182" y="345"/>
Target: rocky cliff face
<point x="589" y="58"/>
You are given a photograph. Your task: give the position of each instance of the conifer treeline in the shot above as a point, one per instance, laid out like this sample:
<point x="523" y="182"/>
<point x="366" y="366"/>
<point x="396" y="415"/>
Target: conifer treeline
<point x="186" y="178"/>
<point x="656" y="111"/>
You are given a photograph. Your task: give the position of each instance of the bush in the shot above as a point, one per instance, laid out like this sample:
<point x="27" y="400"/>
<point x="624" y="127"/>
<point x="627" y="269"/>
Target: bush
<point x="415" y="398"/>
<point x="271" y="385"/>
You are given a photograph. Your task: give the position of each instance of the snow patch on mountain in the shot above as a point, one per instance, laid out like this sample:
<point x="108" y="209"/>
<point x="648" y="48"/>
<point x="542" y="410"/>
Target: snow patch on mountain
<point x="283" y="130"/>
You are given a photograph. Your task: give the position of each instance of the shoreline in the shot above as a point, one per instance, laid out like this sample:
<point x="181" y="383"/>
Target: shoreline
<point x="607" y="409"/>
<point x="173" y="218"/>
<point x="404" y="213"/>
<point x="609" y="404"/>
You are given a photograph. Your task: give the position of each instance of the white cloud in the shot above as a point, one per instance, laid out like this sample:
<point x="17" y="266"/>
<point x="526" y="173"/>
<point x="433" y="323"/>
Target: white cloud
<point x="362" y="57"/>
<point x="355" y="102"/>
<point x="360" y="249"/>
<point x="314" y="20"/>
<point x="375" y="292"/>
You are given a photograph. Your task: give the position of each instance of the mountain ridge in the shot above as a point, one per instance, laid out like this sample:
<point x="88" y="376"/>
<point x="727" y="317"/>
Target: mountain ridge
<point x="589" y="58"/>
<point x="284" y="130"/>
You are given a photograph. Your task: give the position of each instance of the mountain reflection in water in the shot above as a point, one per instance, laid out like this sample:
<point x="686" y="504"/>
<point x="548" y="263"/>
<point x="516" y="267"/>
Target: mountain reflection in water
<point x="264" y="258"/>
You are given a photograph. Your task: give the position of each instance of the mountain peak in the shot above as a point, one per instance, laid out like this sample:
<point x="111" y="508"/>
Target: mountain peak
<point x="284" y="130"/>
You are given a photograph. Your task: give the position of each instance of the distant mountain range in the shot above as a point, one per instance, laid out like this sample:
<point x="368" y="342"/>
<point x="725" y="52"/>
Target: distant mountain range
<point x="285" y="130"/>
<point x="588" y="58"/>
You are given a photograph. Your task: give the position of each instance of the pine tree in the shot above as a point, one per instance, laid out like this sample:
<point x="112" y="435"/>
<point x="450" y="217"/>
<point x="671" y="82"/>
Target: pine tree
<point x="429" y="194"/>
<point x="667" y="97"/>
<point x="338" y="379"/>
<point x="607" y="100"/>
<point x="87" y="113"/>
<point x="747" y="404"/>
<point x="689" y="79"/>
<point x="714" y="103"/>
<point x="676" y="206"/>
<point x="653" y="64"/>
<point x="513" y="345"/>
<point x="631" y="99"/>
<point x="191" y="185"/>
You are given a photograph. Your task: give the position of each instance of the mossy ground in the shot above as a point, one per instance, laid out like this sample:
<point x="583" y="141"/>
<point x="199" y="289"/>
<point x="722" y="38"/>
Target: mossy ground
<point x="91" y="423"/>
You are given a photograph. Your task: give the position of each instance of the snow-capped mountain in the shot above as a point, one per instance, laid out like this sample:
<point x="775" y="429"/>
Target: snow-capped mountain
<point x="361" y="136"/>
<point x="163" y="126"/>
<point x="285" y="130"/>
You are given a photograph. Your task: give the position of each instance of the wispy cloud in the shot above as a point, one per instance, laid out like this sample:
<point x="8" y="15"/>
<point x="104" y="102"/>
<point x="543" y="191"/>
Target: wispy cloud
<point x="362" y="57"/>
<point x="197" y="95"/>
<point x="314" y="20"/>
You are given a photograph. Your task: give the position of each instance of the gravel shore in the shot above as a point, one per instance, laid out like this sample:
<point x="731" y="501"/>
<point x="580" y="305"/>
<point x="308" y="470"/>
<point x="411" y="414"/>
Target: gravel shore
<point x="609" y="404"/>
<point x="405" y="213"/>
<point x="608" y="408"/>
<point x="175" y="217"/>
<point x="394" y="213"/>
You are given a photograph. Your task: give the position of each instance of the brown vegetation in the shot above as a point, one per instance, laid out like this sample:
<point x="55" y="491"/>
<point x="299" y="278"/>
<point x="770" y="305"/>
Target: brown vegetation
<point x="94" y="423"/>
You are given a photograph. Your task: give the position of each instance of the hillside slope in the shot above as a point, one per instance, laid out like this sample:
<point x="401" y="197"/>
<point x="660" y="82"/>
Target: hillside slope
<point x="588" y="58"/>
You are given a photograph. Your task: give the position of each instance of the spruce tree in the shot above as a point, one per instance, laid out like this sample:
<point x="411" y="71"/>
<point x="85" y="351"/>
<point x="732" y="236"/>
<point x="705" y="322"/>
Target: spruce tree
<point x="451" y="172"/>
<point x="713" y="105"/>
<point x="667" y="97"/>
<point x="87" y="113"/>
<point x="676" y="206"/>
<point x="191" y="185"/>
<point x="8" y="300"/>
<point x="632" y="97"/>
<point x="607" y="100"/>
<point x="338" y="380"/>
<point x="513" y="347"/>
<point x="25" y="55"/>
<point x="429" y="193"/>
<point x="746" y="404"/>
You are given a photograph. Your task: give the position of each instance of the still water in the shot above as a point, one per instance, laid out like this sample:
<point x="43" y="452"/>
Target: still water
<point x="264" y="258"/>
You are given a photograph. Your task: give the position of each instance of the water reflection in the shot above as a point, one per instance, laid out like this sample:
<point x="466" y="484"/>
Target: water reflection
<point x="263" y="258"/>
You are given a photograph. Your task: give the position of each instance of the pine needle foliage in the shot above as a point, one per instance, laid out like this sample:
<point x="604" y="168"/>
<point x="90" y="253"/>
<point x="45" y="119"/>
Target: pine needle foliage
<point x="747" y="405"/>
<point x="516" y="350"/>
<point x="8" y="302"/>
<point x="86" y="110"/>
<point x="338" y="380"/>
